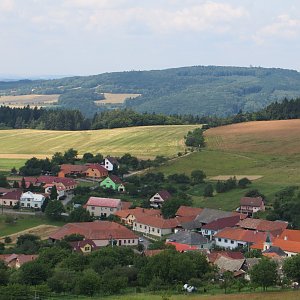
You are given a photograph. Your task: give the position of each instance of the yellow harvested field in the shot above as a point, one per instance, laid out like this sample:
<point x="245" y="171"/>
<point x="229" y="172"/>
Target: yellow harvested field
<point x="272" y="137"/>
<point x="238" y="177"/>
<point x="115" y="98"/>
<point x="31" y="100"/>
<point x="144" y="141"/>
<point x="43" y="231"/>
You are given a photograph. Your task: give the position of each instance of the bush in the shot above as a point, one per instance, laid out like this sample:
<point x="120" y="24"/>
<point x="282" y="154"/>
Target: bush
<point x="7" y="240"/>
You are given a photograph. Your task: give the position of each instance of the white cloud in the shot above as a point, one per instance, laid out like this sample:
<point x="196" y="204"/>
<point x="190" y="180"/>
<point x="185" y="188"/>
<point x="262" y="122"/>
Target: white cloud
<point x="6" y="5"/>
<point x="285" y="27"/>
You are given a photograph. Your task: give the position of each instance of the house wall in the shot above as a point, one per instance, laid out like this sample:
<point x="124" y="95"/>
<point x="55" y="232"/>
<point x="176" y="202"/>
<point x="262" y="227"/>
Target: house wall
<point x="120" y="242"/>
<point x="108" y="183"/>
<point x="95" y="173"/>
<point x="8" y="202"/>
<point x="228" y="243"/>
<point x="146" y="229"/>
<point x="31" y="202"/>
<point x="99" y="211"/>
<point x="108" y="165"/>
<point x="156" y="201"/>
<point x="208" y="233"/>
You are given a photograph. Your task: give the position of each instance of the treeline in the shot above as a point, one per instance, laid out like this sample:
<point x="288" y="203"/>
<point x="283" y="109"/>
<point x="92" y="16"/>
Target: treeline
<point x="40" y="118"/>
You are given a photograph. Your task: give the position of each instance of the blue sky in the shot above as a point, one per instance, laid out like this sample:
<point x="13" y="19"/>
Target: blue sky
<point x="82" y="37"/>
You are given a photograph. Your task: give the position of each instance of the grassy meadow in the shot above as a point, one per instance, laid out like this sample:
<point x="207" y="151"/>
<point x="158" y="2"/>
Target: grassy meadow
<point x="269" y="149"/>
<point x="6" y="164"/>
<point x="144" y="142"/>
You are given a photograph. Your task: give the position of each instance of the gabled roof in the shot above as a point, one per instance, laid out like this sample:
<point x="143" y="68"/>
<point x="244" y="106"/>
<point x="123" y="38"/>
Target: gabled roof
<point x="68" y="168"/>
<point x="208" y="215"/>
<point x="239" y="234"/>
<point x="156" y="221"/>
<point x="115" y="179"/>
<point x="222" y="223"/>
<point x="126" y="204"/>
<point x="276" y="250"/>
<point x="213" y="256"/>
<point x="164" y="194"/>
<point x="98" y="230"/>
<point x="103" y="202"/>
<point x="275" y="227"/>
<point x="184" y="211"/>
<point x="53" y="179"/>
<point x="112" y="160"/>
<point x="13" y="195"/>
<point x="81" y="244"/>
<point x="188" y="238"/>
<point x="290" y="235"/>
<point x="98" y="167"/>
<point x="229" y="264"/>
<point x="251" y="201"/>
<point x="138" y="211"/>
<point x="182" y="247"/>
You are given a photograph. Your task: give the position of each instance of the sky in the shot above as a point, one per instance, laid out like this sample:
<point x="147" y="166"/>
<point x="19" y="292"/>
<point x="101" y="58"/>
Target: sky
<point x="84" y="37"/>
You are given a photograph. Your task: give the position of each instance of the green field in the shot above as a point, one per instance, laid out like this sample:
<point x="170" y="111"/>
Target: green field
<point x="6" y="164"/>
<point x="144" y="142"/>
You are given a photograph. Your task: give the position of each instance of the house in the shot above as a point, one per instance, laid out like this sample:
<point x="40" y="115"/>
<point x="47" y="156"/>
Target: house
<point x="274" y="227"/>
<point x="159" y="198"/>
<point x="154" y="225"/>
<point x="208" y="215"/>
<point x="110" y="163"/>
<point x="72" y="170"/>
<point x="96" y="171"/>
<point x="191" y="239"/>
<point x="251" y="205"/>
<point x="187" y="211"/>
<point x="210" y="229"/>
<point x="10" y="198"/>
<point x="213" y="256"/>
<point x="113" y="182"/>
<point x="103" y="207"/>
<point x="32" y="200"/>
<point x="235" y="266"/>
<point x="128" y="216"/>
<point x="288" y="241"/>
<point x="17" y="260"/>
<point x="102" y="233"/>
<point x="182" y="247"/>
<point x="84" y="247"/>
<point x="69" y="184"/>
<point x="232" y="238"/>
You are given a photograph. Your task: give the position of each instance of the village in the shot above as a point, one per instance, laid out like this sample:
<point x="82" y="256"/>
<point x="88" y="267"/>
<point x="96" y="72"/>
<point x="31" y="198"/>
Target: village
<point x="231" y="241"/>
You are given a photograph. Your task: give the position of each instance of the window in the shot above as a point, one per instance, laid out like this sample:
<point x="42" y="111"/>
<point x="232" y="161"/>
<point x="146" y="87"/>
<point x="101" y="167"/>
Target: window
<point x="128" y="241"/>
<point x="133" y="241"/>
<point x="145" y="227"/>
<point x="87" y="248"/>
<point x="206" y="231"/>
<point x="35" y="205"/>
<point x="93" y="207"/>
<point x="140" y="226"/>
<point x="232" y="242"/>
<point x="124" y="241"/>
<point x="152" y="229"/>
<point x="111" y="209"/>
<point x="219" y="239"/>
<point x="226" y="241"/>
<point x="158" y="231"/>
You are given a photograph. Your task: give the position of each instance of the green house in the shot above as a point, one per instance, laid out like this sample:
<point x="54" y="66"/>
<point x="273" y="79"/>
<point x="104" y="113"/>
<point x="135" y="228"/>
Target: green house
<point x="113" y="182"/>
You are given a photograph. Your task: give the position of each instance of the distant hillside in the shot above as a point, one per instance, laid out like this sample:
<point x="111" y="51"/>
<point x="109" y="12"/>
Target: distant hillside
<point x="195" y="90"/>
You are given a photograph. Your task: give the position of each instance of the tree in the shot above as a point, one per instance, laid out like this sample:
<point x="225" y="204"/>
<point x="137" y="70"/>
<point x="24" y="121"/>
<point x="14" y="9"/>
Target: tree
<point x="45" y="203"/>
<point x="23" y="184"/>
<point x="254" y="193"/>
<point x="227" y="280"/>
<point x="80" y="214"/>
<point x="170" y="207"/>
<point x="243" y="182"/>
<point x="3" y="181"/>
<point x="53" y="194"/>
<point x="291" y="267"/>
<point x="195" y="138"/>
<point x="34" y="273"/>
<point x="89" y="283"/>
<point x="198" y="176"/>
<point x="264" y="273"/>
<point x="16" y="185"/>
<point x="70" y="155"/>
<point x="208" y="191"/>
<point x="54" y="209"/>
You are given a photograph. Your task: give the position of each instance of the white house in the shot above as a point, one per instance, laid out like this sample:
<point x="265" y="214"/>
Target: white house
<point x="31" y="200"/>
<point x="59" y="187"/>
<point x="103" y="207"/>
<point x="110" y="163"/>
<point x="159" y="198"/>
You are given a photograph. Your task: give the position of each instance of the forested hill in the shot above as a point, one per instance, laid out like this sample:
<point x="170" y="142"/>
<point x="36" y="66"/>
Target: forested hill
<point x="199" y="90"/>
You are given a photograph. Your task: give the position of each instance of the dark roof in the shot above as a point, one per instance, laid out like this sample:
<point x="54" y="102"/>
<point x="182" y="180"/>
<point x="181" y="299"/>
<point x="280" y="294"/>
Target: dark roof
<point x="249" y="201"/>
<point x="80" y="244"/>
<point x="115" y="179"/>
<point x="188" y="238"/>
<point x="277" y="250"/>
<point x="222" y="223"/>
<point x="13" y="195"/>
<point x="112" y="160"/>
<point x="164" y="194"/>
<point x="208" y="215"/>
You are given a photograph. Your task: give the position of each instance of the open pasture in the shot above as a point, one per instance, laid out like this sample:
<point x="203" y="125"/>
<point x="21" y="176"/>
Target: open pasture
<point x="31" y="100"/>
<point x="144" y="142"/>
<point x="115" y="98"/>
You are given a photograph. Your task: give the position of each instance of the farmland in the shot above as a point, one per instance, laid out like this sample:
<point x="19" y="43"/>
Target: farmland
<point x="268" y="149"/>
<point x="144" y="142"/>
<point x="115" y="98"/>
<point x="31" y="100"/>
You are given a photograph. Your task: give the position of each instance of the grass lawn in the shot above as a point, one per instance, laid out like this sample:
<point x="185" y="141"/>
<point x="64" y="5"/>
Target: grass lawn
<point x="144" y="141"/>
<point x="24" y="222"/>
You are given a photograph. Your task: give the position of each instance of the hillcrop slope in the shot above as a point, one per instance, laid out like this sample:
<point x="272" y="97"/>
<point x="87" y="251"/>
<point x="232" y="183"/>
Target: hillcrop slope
<point x="144" y="142"/>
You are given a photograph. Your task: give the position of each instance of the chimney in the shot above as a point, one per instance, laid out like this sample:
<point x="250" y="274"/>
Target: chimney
<point x="285" y="238"/>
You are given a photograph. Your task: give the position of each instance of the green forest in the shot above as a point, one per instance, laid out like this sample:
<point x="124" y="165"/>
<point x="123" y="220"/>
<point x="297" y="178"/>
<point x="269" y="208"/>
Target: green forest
<point x="198" y="90"/>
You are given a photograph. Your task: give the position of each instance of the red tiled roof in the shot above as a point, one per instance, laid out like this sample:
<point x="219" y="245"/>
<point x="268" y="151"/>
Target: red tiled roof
<point x="222" y="223"/>
<point x="103" y="202"/>
<point x="290" y="235"/>
<point x="52" y="179"/>
<point x="164" y="194"/>
<point x="68" y="168"/>
<point x="182" y="247"/>
<point x="184" y="211"/>
<point x="80" y="244"/>
<point x="239" y="234"/>
<point x="98" y="167"/>
<point x="156" y="221"/>
<point x="276" y="227"/>
<point x="13" y="195"/>
<point x="99" y="230"/>
<point x="212" y="257"/>
<point x="138" y="211"/>
<point x="126" y="204"/>
<point x="115" y="179"/>
<point x="185" y="219"/>
<point x="24" y="258"/>
<point x="250" y="201"/>
<point x="285" y="245"/>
